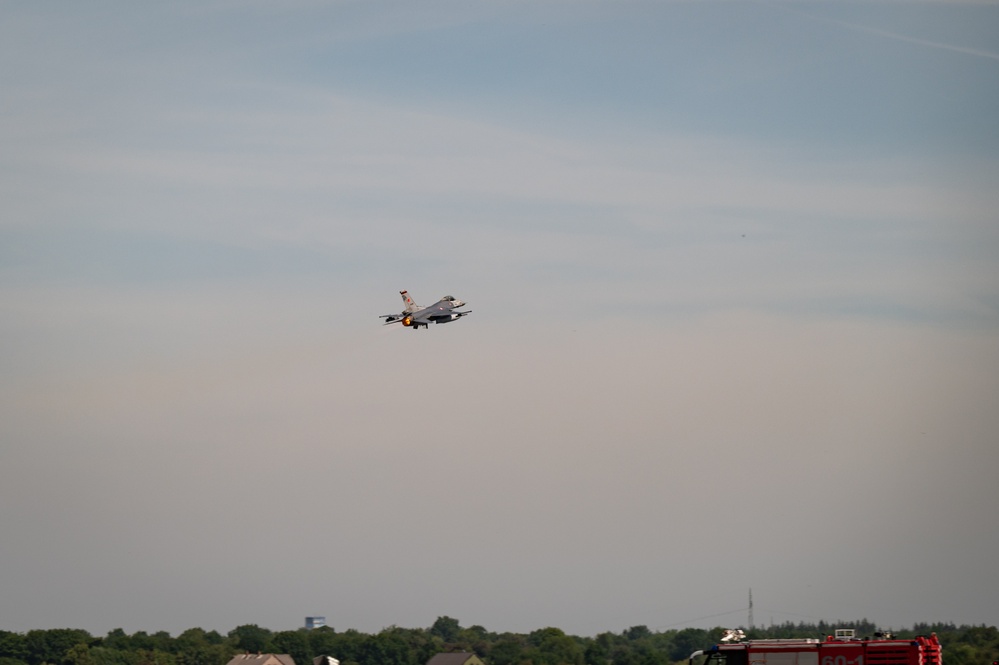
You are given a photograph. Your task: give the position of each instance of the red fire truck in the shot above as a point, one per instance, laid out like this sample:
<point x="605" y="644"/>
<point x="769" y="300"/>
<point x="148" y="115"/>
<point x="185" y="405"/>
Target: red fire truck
<point x="843" y="648"/>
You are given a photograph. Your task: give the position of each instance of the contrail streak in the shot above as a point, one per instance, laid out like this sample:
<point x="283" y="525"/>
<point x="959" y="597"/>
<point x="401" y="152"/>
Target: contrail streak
<point x="913" y="40"/>
<point x="895" y="35"/>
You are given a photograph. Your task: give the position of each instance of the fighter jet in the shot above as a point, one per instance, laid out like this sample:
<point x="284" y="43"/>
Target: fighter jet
<point x="414" y="316"/>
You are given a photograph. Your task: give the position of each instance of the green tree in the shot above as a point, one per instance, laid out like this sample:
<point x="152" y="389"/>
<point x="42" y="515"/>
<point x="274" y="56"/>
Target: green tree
<point x="961" y="654"/>
<point x="13" y="646"/>
<point x="295" y="643"/>
<point x="637" y="633"/>
<point x="446" y="628"/>
<point x="154" y="657"/>
<point x="419" y="643"/>
<point x="981" y="636"/>
<point x="598" y="650"/>
<point x="160" y="640"/>
<point x="963" y="645"/>
<point x="687" y="641"/>
<point x="322" y="642"/>
<point x="141" y="641"/>
<point x="197" y="647"/>
<point x="251" y="638"/>
<point x="348" y="646"/>
<point x="551" y="646"/>
<point x="78" y="654"/>
<point x="508" y="649"/>
<point x="50" y="646"/>
<point x="106" y="656"/>
<point x="117" y="639"/>
<point x="386" y="648"/>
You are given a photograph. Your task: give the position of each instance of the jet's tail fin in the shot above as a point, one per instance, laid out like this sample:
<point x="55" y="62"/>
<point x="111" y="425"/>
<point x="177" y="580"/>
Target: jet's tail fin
<point x="410" y="305"/>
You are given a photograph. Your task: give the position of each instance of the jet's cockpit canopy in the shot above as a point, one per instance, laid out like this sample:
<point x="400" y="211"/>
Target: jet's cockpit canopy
<point x="453" y="302"/>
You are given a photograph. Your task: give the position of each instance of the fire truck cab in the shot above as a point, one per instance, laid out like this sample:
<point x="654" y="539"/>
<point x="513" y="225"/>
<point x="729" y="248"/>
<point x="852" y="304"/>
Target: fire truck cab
<point x="843" y="648"/>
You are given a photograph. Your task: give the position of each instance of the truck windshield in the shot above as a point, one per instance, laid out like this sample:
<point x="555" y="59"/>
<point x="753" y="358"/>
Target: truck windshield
<point x="736" y="657"/>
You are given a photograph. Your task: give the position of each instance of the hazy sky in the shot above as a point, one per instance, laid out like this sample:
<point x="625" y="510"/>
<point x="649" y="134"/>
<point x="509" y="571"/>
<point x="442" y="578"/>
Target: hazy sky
<point x="734" y="269"/>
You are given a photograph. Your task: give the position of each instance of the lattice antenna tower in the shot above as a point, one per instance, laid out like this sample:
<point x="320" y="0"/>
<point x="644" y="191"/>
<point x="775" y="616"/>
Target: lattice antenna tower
<point x="750" y="609"/>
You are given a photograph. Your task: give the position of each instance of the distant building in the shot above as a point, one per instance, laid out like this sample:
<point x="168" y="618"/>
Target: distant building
<point x="325" y="660"/>
<point x="314" y="622"/>
<point x="262" y="659"/>
<point x="459" y="658"/>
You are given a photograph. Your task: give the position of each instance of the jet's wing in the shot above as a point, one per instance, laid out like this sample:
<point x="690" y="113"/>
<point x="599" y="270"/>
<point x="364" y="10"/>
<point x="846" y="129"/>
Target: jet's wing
<point x="453" y="315"/>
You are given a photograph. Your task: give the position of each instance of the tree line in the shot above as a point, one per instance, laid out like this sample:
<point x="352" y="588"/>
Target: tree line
<point x="638" y="645"/>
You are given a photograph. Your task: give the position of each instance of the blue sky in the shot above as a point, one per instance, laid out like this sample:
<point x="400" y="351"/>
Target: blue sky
<point x="733" y="269"/>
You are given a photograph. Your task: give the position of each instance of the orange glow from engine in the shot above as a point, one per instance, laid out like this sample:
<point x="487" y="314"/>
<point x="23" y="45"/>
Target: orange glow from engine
<point x="408" y="321"/>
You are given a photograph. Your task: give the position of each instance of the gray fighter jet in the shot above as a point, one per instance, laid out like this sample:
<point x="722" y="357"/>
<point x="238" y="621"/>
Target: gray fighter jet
<point x="414" y="316"/>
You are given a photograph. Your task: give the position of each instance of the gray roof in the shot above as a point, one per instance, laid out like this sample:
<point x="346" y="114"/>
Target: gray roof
<point x="262" y="659"/>
<point x="458" y="658"/>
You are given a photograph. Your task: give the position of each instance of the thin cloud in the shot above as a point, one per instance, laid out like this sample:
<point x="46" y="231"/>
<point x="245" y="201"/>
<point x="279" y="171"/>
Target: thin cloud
<point x="981" y="53"/>
<point x="915" y="40"/>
